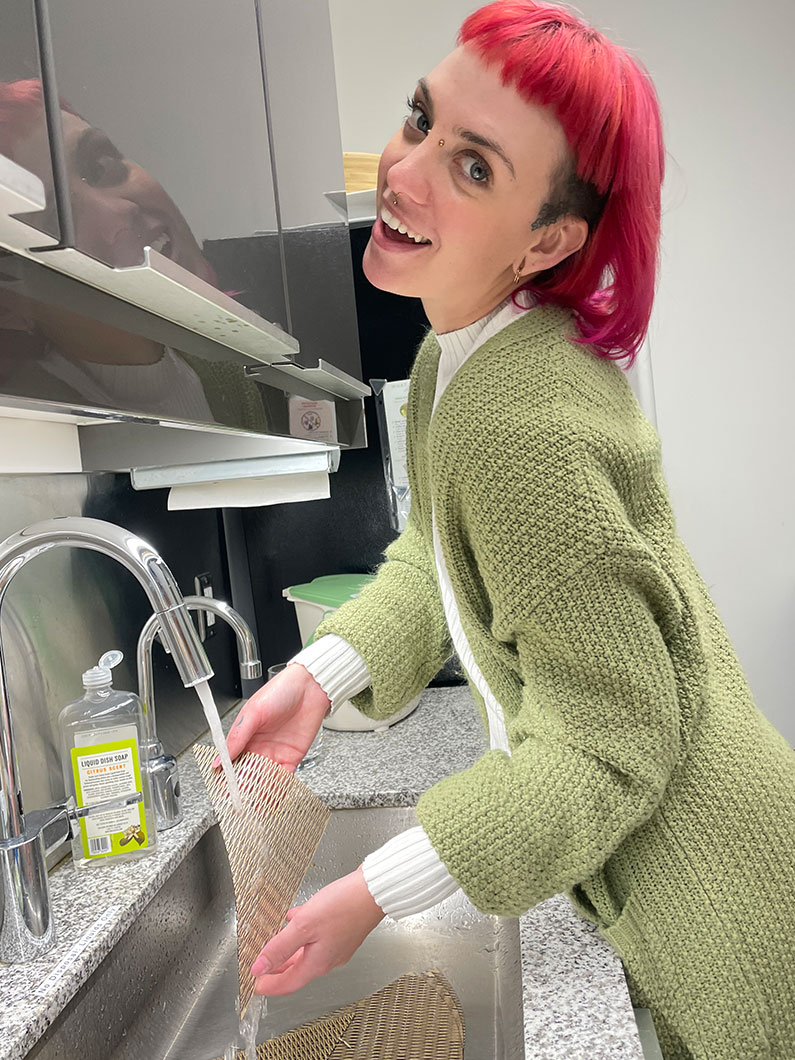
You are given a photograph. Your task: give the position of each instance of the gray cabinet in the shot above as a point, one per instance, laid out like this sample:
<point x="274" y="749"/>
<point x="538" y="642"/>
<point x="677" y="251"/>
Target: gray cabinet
<point x="166" y="140"/>
<point x="23" y="132"/>
<point x="192" y="154"/>
<point x="307" y="159"/>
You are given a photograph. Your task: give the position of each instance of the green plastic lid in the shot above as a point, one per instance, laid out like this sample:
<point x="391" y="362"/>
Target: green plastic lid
<point x="332" y="590"/>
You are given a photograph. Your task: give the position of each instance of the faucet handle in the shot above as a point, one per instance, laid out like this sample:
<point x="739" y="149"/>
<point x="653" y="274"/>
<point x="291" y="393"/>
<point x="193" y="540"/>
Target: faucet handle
<point x="61" y="822"/>
<point x="76" y="813"/>
<point x="52" y="824"/>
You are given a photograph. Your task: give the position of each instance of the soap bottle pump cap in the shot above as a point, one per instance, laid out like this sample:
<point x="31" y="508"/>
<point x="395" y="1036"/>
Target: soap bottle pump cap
<point x="99" y="676"/>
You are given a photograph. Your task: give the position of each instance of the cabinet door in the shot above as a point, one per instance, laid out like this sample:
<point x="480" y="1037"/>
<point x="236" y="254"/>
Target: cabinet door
<point x="166" y="140"/>
<point x="307" y="160"/>
<point x="23" y="126"/>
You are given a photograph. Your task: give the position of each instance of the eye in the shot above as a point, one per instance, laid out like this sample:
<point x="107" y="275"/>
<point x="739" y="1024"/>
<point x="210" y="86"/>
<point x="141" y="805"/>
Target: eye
<point x="105" y="171"/>
<point x="421" y="116"/>
<point x="99" y="162"/>
<point x="475" y="169"/>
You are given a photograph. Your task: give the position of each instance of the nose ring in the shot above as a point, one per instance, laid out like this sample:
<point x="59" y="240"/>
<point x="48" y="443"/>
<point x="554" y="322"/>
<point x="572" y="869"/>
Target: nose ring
<point x="395" y="200"/>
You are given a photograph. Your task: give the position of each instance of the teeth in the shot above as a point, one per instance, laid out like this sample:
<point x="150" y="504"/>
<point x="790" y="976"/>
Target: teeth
<point x="398" y="226"/>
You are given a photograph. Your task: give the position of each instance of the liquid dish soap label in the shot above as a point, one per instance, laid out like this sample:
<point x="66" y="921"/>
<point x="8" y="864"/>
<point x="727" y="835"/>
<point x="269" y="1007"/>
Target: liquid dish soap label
<point x="106" y="770"/>
<point x="102" y="737"/>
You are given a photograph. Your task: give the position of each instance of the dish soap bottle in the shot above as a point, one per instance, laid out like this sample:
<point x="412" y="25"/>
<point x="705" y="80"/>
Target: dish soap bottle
<point x="101" y="738"/>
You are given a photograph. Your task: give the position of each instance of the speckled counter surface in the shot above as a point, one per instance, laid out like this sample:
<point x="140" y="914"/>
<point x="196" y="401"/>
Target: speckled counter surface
<point x="576" y="1005"/>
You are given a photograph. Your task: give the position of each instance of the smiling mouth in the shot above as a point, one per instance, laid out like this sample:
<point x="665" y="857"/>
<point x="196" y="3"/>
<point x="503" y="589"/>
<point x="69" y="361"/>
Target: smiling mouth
<point x="398" y="231"/>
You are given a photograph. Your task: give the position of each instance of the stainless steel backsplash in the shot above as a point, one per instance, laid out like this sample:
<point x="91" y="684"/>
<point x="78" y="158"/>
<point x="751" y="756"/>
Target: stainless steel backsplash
<point x="68" y="606"/>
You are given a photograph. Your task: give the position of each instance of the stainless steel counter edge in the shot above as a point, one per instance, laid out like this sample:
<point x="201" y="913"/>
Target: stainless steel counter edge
<point x="576" y="1005"/>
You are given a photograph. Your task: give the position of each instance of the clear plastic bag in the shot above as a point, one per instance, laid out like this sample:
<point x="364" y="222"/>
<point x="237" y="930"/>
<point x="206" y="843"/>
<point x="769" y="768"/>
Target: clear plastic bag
<point x="391" y="399"/>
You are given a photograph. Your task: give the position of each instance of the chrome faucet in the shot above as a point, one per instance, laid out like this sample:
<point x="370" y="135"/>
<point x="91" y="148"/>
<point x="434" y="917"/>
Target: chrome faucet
<point x="27" y="929"/>
<point x="162" y="767"/>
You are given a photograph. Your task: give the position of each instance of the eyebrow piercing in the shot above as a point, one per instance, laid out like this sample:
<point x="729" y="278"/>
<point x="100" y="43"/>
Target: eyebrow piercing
<point x="441" y="143"/>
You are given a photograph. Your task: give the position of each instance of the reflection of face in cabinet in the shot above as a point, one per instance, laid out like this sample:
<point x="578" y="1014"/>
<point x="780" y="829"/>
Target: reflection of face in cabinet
<point x="180" y="89"/>
<point x="177" y="86"/>
<point x="117" y="206"/>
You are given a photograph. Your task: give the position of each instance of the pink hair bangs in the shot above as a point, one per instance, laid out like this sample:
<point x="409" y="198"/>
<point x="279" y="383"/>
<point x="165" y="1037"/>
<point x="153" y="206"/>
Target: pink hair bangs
<point x="21" y="110"/>
<point x="607" y="106"/>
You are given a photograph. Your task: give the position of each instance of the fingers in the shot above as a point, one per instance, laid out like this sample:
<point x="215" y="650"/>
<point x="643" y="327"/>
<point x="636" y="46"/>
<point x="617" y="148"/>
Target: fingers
<point x="307" y="965"/>
<point x="280" y="949"/>
<point x="246" y="724"/>
<point x="289" y="962"/>
<point x="319" y="935"/>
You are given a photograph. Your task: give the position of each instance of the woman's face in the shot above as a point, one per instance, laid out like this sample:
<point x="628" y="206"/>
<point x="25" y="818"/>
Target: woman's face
<point x="475" y="202"/>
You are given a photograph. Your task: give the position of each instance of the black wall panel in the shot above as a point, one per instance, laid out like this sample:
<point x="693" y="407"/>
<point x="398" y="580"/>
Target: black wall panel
<point x="293" y="543"/>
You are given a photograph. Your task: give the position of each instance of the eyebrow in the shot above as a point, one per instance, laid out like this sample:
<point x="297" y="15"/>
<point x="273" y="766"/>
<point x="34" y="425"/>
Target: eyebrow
<point x="467" y="134"/>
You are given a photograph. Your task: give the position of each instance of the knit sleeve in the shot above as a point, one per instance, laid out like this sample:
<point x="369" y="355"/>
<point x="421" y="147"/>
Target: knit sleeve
<point x="595" y="739"/>
<point x="397" y="625"/>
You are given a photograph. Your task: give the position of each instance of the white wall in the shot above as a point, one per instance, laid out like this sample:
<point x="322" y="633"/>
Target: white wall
<point x="721" y="335"/>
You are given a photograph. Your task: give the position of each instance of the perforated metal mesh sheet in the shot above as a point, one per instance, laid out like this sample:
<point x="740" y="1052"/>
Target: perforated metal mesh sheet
<point x="313" y="1041"/>
<point x="270" y="845"/>
<point x="418" y="1017"/>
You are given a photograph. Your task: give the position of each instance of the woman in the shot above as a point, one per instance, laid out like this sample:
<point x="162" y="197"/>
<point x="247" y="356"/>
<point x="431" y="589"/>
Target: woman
<point x="628" y="763"/>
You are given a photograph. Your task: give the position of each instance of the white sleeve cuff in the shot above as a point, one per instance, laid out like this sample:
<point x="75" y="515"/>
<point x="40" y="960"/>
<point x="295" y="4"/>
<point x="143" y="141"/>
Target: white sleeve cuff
<point x="406" y="875"/>
<point x="336" y="666"/>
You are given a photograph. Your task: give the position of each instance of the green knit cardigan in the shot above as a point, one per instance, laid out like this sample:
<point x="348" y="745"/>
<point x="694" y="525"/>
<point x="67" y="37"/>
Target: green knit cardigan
<point x="643" y="780"/>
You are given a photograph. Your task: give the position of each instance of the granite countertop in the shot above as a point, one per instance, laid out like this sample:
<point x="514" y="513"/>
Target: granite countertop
<point x="576" y="1005"/>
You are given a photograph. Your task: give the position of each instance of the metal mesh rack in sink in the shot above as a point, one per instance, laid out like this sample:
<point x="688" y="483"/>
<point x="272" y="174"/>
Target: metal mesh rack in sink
<point x="417" y="1017"/>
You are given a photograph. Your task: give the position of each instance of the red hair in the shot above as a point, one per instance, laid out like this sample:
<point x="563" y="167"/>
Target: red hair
<point x="21" y="109"/>
<point x="608" y="109"/>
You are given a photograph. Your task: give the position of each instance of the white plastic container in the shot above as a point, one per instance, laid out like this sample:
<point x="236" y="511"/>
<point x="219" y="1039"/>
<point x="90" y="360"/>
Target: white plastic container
<point x="313" y="602"/>
<point x="101" y="738"/>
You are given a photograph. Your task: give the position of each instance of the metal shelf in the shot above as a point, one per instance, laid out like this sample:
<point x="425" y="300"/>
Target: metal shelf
<point x="160" y="286"/>
<point x="20" y="192"/>
<point x="325" y="377"/>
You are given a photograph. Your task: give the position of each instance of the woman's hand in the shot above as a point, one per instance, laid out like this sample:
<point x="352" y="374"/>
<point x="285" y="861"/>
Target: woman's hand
<point x="281" y="719"/>
<point x="321" y="934"/>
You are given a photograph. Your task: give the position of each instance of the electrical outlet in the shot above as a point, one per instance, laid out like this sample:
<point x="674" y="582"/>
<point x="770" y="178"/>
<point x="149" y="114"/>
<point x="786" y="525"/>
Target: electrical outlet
<point x="203" y="585"/>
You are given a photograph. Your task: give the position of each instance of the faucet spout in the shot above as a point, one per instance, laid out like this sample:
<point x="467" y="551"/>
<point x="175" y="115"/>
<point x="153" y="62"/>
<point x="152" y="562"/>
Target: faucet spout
<point x="163" y="768"/>
<point x="250" y="665"/>
<point x="26" y="925"/>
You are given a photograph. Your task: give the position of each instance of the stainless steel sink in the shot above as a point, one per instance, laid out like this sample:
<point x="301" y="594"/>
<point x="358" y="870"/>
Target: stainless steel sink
<point x="168" y="988"/>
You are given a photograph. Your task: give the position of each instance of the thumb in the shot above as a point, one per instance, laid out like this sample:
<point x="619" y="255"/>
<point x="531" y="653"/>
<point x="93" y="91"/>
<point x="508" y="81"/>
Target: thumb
<point x="244" y="727"/>
<point x="280" y="949"/>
